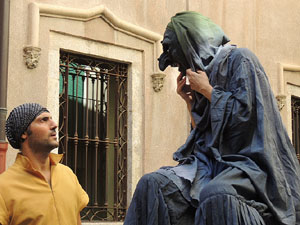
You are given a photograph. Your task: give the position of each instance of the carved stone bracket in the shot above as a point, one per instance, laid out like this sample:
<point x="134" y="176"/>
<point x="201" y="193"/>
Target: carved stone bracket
<point x="158" y="81"/>
<point x="281" y="101"/>
<point x="31" y="56"/>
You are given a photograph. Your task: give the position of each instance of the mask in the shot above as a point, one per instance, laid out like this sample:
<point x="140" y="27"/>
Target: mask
<point x="172" y="53"/>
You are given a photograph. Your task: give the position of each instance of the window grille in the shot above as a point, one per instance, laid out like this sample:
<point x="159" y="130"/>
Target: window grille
<point x="93" y="131"/>
<point x="296" y="124"/>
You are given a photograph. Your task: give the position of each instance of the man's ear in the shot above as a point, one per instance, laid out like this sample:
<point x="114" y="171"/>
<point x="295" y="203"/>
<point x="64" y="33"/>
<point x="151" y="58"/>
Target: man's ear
<point x="24" y="136"/>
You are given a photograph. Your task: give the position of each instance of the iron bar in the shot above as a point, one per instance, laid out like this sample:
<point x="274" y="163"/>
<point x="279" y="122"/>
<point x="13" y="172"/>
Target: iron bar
<point x="66" y="81"/>
<point x="96" y="143"/>
<point x="76" y="124"/>
<point x="107" y="139"/>
<point x="86" y="129"/>
<point x="116" y="166"/>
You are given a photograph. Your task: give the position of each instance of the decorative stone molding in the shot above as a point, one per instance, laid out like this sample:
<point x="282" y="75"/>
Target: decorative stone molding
<point x="36" y="10"/>
<point x="158" y="81"/>
<point x="281" y="101"/>
<point x="32" y="56"/>
<point x="282" y="79"/>
<point x="282" y="82"/>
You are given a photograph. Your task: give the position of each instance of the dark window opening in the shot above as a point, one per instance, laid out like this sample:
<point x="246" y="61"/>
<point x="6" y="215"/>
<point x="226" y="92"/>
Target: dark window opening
<point x="93" y="131"/>
<point x="296" y="124"/>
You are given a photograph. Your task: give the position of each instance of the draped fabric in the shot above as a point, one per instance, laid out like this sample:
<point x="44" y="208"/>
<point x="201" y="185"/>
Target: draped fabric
<point x="158" y="201"/>
<point x="242" y="128"/>
<point x="238" y="165"/>
<point x="198" y="37"/>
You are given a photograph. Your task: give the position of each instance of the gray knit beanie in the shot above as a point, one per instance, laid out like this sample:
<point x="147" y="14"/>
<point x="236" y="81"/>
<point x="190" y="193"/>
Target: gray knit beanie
<point x="19" y="120"/>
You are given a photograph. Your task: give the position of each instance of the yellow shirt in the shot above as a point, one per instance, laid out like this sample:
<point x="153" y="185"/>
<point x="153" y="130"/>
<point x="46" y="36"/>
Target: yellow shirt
<point x="27" y="198"/>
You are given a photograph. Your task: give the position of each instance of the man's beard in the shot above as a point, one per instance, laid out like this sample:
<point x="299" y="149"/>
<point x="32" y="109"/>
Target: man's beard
<point x="41" y="145"/>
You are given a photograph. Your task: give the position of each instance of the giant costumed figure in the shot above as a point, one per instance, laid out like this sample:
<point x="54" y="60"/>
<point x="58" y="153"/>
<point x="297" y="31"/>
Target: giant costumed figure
<point x="238" y="166"/>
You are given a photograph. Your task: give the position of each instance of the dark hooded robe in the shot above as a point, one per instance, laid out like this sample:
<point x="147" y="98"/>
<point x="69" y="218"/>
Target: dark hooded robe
<point x="238" y="165"/>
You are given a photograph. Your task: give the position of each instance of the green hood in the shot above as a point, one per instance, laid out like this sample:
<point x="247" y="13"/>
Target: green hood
<point x="198" y="37"/>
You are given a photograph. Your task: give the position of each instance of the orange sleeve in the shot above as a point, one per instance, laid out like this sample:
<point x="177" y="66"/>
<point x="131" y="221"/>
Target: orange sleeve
<point x="4" y="217"/>
<point x="83" y="198"/>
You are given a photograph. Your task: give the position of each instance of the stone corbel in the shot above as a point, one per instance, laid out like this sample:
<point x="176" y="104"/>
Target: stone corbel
<point x="281" y="101"/>
<point x="32" y="56"/>
<point x="158" y="81"/>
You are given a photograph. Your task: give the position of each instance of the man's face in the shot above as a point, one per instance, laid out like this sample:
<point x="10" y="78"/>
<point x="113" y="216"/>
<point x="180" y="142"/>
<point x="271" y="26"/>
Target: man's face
<point x="41" y="134"/>
<point x="172" y="53"/>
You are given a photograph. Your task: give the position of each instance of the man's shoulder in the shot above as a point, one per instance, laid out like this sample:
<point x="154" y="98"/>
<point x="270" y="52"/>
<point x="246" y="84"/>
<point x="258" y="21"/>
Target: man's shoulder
<point x="65" y="169"/>
<point x="5" y="176"/>
<point x="8" y="177"/>
<point x="66" y="173"/>
<point x="8" y="174"/>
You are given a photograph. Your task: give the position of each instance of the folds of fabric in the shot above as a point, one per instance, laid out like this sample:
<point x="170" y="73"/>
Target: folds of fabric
<point x="158" y="201"/>
<point x="242" y="128"/>
<point x="227" y="209"/>
<point x="198" y="36"/>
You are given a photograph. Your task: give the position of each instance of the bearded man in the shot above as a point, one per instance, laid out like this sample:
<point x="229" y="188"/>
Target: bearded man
<point x="37" y="189"/>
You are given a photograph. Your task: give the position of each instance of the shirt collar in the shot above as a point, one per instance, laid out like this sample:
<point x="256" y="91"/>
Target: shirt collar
<point x="55" y="158"/>
<point x="23" y="161"/>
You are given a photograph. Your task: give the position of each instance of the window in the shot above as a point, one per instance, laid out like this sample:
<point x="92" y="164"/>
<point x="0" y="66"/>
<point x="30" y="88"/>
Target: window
<point x="93" y="131"/>
<point x="296" y="124"/>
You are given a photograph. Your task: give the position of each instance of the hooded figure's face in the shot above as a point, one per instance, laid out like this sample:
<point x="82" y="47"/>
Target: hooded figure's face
<point x="191" y="41"/>
<point x="172" y="53"/>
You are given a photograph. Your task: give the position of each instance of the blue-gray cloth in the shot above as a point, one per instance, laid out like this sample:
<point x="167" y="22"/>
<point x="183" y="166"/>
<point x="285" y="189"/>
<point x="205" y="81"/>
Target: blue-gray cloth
<point x="158" y="201"/>
<point x="238" y="165"/>
<point x="242" y="128"/>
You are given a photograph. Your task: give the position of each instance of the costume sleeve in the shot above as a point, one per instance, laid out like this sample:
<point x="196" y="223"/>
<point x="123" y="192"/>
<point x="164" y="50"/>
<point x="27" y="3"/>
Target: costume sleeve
<point x="233" y="115"/>
<point x="4" y="217"/>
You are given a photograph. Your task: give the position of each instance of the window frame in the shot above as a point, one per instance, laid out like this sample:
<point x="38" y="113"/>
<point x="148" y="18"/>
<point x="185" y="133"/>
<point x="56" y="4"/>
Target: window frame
<point x="107" y="70"/>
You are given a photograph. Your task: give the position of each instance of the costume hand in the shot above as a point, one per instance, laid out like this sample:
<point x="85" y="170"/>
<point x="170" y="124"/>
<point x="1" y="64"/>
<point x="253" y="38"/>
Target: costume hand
<point x="187" y="94"/>
<point x="184" y="90"/>
<point x="199" y="82"/>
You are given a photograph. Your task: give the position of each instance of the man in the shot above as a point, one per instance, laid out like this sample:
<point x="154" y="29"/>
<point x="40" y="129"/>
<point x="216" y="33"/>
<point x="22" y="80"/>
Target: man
<point x="238" y="165"/>
<point x="37" y="189"/>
